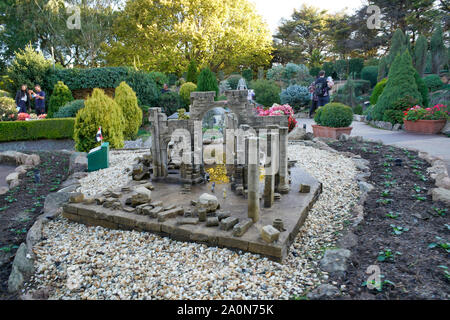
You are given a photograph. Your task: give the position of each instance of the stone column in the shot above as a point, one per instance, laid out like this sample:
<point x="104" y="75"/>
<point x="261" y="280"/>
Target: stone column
<point x="253" y="180"/>
<point x="272" y="168"/>
<point x="156" y="155"/>
<point x="283" y="184"/>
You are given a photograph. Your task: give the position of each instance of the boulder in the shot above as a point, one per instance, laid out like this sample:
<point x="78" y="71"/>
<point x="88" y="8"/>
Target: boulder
<point x="55" y="200"/>
<point x="141" y="195"/>
<point x="297" y="134"/>
<point x="3" y="190"/>
<point x="324" y="291"/>
<point x="23" y="266"/>
<point x="335" y="260"/>
<point x="10" y="178"/>
<point x="78" y="162"/>
<point x="441" y="194"/>
<point x="208" y="202"/>
<point x="365" y="187"/>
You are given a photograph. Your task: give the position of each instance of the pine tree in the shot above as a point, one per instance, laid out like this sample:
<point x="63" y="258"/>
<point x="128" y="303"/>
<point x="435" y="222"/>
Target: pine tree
<point x="207" y="81"/>
<point x="398" y="45"/>
<point x="401" y="83"/>
<point x="420" y="54"/>
<point x="382" y="69"/>
<point x="438" y="50"/>
<point x="60" y="96"/>
<point x="126" y="98"/>
<point x="423" y="89"/>
<point x="192" y="73"/>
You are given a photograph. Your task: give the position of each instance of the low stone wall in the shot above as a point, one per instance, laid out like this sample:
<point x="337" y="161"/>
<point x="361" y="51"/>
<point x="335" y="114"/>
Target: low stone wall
<point x="41" y="145"/>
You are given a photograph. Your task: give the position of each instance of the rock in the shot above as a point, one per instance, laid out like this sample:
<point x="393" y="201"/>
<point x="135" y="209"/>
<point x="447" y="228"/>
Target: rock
<point x="396" y="127"/>
<point x="23" y="266"/>
<point x="13" y="176"/>
<point x="324" y="291"/>
<point x="348" y="241"/>
<point x="55" y="200"/>
<point x="335" y="260"/>
<point x="163" y="216"/>
<point x="212" y="222"/>
<point x="32" y="160"/>
<point x="344" y="137"/>
<point x="76" y="197"/>
<point x="441" y="182"/>
<point x="304" y="188"/>
<point x="154" y="212"/>
<point x="297" y="134"/>
<point x="441" y="194"/>
<point x="223" y="215"/>
<point x="242" y="227"/>
<point x="156" y="203"/>
<point x="185" y="220"/>
<point x="208" y="201"/>
<point x="269" y="234"/>
<point x="361" y="164"/>
<point x="3" y="190"/>
<point x="141" y="195"/>
<point x="365" y="187"/>
<point x="228" y="223"/>
<point x="78" y="162"/>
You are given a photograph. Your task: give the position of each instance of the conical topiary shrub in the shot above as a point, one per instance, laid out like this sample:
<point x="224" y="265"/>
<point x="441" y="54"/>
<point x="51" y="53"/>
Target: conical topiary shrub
<point x="207" y="81"/>
<point x="126" y="98"/>
<point x="401" y="83"/>
<point x="99" y="111"/>
<point x="60" y="97"/>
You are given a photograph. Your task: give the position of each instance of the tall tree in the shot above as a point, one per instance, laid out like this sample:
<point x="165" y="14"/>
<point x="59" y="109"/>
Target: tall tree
<point x="167" y="35"/>
<point x="438" y="50"/>
<point x="420" y="54"/>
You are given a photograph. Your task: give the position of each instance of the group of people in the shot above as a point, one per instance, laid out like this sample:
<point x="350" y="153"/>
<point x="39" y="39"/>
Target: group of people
<point x="24" y="97"/>
<point x="320" y="92"/>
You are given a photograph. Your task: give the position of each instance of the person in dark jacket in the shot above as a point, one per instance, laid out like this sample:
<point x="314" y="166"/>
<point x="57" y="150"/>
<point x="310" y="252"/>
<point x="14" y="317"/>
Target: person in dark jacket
<point x="39" y="96"/>
<point x="322" y="89"/>
<point x="23" y="99"/>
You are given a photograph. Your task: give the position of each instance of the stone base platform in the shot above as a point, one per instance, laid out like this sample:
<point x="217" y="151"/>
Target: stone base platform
<point x="292" y="208"/>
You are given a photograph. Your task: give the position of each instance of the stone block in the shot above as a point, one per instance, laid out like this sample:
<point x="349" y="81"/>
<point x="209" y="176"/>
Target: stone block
<point x="304" y="188"/>
<point x="228" y="223"/>
<point x="185" y="220"/>
<point x="154" y="212"/>
<point x="269" y="234"/>
<point x="242" y="227"/>
<point x="76" y="197"/>
<point x="212" y="222"/>
<point x="163" y="216"/>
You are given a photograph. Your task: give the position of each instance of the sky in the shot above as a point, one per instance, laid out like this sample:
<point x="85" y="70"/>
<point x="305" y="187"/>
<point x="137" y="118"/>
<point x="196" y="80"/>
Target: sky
<point x="273" y="10"/>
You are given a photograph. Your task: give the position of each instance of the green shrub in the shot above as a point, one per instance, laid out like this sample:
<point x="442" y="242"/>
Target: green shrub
<point x="207" y="81"/>
<point x="368" y="112"/>
<point x="185" y="92"/>
<point x="314" y="71"/>
<point x="8" y="110"/>
<point x="99" y="111"/>
<point x="60" y="96"/>
<point x="335" y="115"/>
<point x="377" y="91"/>
<point x="126" y="98"/>
<point x="423" y="90"/>
<point x="38" y="129"/>
<point x="192" y="73"/>
<point x="159" y="78"/>
<point x="355" y="66"/>
<point x="370" y="73"/>
<point x="4" y="93"/>
<point x="267" y="92"/>
<point x="358" y="109"/>
<point x="289" y="74"/>
<point x="296" y="96"/>
<point x="433" y="82"/>
<point x="233" y="81"/>
<point x="395" y="114"/>
<point x="440" y="97"/>
<point x="182" y="114"/>
<point x="144" y="86"/>
<point x="70" y="109"/>
<point x="401" y="83"/>
<point x="169" y="102"/>
<point x="247" y="74"/>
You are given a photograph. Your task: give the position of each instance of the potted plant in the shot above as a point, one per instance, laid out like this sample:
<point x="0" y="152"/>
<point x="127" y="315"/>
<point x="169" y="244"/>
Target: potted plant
<point x="333" y="120"/>
<point x="425" y="120"/>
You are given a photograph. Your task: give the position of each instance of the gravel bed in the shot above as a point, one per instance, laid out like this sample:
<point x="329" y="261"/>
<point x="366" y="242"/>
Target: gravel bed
<point x="81" y="262"/>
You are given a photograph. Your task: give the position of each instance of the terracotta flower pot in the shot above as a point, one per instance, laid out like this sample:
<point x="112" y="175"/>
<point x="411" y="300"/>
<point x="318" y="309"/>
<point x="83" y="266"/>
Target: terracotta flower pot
<point x="424" y="126"/>
<point x="329" y="132"/>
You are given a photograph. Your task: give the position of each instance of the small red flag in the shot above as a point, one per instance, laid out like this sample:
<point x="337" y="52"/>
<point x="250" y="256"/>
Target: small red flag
<point x="99" y="136"/>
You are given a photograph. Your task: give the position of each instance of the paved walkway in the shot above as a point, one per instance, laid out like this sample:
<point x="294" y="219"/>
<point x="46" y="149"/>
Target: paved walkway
<point x="436" y="145"/>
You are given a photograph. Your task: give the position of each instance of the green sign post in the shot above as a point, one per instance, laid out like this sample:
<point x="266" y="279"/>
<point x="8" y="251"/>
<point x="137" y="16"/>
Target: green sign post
<point x="98" y="158"/>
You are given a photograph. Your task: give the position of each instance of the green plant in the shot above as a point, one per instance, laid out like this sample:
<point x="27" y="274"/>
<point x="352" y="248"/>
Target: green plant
<point x="377" y="91"/>
<point x="185" y="92"/>
<point x="387" y="255"/>
<point x="182" y="114"/>
<point x="192" y="73"/>
<point x="70" y="109"/>
<point x="207" y="81"/>
<point x="439" y="211"/>
<point x="446" y="272"/>
<point x="440" y="243"/>
<point x="295" y="96"/>
<point x="438" y="50"/>
<point x="398" y="230"/>
<point x="370" y="73"/>
<point x="396" y="113"/>
<point x="401" y="83"/>
<point x="378" y="285"/>
<point x="438" y="112"/>
<point x="420" y="54"/>
<point x="336" y="115"/>
<point x="159" y="78"/>
<point x="433" y="82"/>
<point x="99" y="111"/>
<point x="169" y="102"/>
<point x="126" y="99"/>
<point x="8" y="111"/>
<point x="392" y="215"/>
<point x="61" y="95"/>
<point x="423" y="89"/>
<point x="267" y="92"/>
<point x="247" y="74"/>
<point x="40" y="129"/>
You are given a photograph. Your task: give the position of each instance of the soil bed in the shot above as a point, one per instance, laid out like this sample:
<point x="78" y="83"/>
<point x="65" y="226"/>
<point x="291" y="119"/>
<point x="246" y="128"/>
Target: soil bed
<point x="401" y="217"/>
<point x="20" y="207"/>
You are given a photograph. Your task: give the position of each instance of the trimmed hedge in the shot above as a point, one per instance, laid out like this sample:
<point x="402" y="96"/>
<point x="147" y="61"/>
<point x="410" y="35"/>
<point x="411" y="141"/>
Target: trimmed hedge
<point x="335" y="115"/>
<point x="37" y="129"/>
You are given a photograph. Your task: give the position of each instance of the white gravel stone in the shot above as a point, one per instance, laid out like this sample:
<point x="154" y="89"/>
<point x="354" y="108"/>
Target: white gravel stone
<point x="82" y="262"/>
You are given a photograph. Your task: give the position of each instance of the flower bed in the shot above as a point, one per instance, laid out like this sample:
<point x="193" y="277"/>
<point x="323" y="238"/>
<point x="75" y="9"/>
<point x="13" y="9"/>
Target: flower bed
<point x="33" y="130"/>
<point x="279" y="110"/>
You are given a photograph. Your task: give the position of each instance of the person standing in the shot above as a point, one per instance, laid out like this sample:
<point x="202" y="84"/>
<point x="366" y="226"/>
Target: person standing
<point x="322" y="89"/>
<point x="165" y="88"/>
<point x="314" y="99"/>
<point x="39" y="97"/>
<point x="23" y="99"/>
